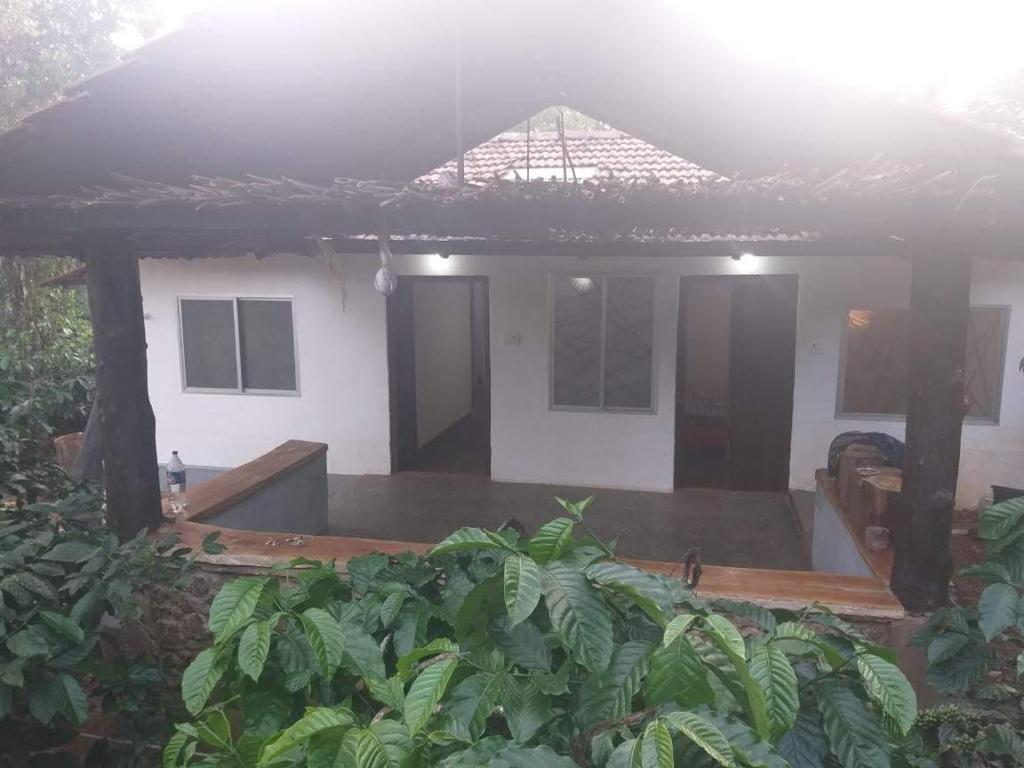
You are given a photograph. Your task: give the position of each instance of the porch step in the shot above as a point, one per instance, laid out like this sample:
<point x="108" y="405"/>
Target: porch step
<point x="853" y="596"/>
<point x="794" y="590"/>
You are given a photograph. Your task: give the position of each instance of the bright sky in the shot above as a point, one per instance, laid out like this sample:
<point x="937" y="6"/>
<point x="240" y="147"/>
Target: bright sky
<point x="947" y="48"/>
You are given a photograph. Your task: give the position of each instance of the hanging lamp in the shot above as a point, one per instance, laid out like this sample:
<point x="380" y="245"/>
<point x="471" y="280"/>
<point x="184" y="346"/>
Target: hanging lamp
<point x="384" y="282"/>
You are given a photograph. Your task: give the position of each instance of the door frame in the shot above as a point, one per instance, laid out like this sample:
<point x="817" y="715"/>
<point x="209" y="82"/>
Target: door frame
<point x="401" y="357"/>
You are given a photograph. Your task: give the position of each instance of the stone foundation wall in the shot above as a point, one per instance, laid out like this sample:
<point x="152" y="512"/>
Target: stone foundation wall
<point x="177" y="620"/>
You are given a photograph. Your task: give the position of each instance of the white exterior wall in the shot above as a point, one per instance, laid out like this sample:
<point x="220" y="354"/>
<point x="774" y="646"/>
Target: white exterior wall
<point x="341" y="353"/>
<point x="343" y="368"/>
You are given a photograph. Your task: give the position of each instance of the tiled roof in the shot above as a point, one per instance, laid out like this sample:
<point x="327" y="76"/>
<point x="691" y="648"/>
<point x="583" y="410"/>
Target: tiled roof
<point x="595" y="154"/>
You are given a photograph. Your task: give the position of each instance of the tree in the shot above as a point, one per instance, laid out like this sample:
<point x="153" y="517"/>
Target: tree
<point x="45" y="341"/>
<point x="47" y="44"/>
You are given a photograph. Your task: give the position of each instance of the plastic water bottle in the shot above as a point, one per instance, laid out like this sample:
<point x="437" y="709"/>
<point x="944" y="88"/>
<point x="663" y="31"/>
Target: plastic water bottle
<point x="176" y="484"/>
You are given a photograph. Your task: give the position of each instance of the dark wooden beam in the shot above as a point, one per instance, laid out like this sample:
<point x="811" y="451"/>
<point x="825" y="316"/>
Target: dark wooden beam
<point x="188" y="244"/>
<point x="126" y="418"/>
<point x="939" y="308"/>
<point x="587" y="249"/>
<point x="502" y="212"/>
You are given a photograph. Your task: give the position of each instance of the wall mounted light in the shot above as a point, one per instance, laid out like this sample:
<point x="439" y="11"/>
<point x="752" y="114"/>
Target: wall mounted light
<point x="745" y="263"/>
<point x="440" y="263"/>
<point x="582" y="284"/>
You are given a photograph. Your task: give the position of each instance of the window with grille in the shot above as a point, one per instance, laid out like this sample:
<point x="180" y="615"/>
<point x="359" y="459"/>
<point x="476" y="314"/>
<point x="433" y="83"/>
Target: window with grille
<point x="237" y="345"/>
<point x="875" y="365"/>
<point x="602" y="343"/>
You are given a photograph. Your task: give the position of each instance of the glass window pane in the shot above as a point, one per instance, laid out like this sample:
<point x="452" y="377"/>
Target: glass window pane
<point x="875" y="372"/>
<point x="629" y="338"/>
<point x="268" y="344"/>
<point x="875" y="368"/>
<point x="208" y="343"/>
<point x="984" y="361"/>
<point x="576" y="354"/>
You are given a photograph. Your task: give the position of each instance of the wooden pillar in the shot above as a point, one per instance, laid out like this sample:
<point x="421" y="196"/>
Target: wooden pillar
<point x="126" y="419"/>
<point x="939" y="307"/>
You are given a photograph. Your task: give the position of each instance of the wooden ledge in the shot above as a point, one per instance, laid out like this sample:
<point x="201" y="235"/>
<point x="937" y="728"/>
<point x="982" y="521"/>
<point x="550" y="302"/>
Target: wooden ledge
<point x="854" y="596"/>
<point x="879" y="563"/>
<point x="225" y="490"/>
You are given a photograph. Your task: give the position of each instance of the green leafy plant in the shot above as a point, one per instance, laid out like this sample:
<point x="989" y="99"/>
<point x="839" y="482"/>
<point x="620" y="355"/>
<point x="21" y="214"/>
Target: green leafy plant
<point x="965" y="643"/>
<point x="46" y="376"/>
<point x="66" y="586"/>
<point x="500" y="650"/>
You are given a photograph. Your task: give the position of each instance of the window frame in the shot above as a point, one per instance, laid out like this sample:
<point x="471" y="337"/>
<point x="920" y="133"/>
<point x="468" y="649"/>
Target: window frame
<point x="240" y="389"/>
<point x="899" y="418"/>
<point x="602" y="277"/>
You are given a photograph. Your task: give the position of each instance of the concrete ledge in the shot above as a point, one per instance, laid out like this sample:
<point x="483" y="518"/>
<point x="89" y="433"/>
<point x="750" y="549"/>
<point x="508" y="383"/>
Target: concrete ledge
<point x="284" y="490"/>
<point x="838" y="541"/>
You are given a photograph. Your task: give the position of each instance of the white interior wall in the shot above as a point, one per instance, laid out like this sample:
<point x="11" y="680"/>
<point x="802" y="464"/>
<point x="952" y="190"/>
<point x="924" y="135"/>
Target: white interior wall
<point x="343" y="368"/>
<point x="442" y="341"/>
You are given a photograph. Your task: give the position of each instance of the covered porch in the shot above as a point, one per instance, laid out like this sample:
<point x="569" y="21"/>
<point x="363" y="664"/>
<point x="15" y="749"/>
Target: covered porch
<point x="248" y="509"/>
<point x="270" y="215"/>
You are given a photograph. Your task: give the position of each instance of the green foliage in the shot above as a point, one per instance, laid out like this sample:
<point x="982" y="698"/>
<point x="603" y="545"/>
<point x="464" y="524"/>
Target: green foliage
<point x="46" y="375"/>
<point x="50" y="43"/>
<point x="545" y="651"/>
<point x="771" y="668"/>
<point x="551" y="540"/>
<point x="962" y="643"/>
<point x="522" y="587"/>
<point x="46" y="366"/>
<point x="65" y="583"/>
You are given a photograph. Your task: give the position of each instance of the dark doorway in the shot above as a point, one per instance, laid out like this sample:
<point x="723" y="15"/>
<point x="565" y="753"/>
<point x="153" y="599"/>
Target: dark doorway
<point x="734" y="381"/>
<point x="439" y="375"/>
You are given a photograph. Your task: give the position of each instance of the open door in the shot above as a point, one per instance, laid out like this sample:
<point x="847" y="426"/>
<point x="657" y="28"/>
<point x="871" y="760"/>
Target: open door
<point x="734" y="381"/>
<point x="439" y="375"/>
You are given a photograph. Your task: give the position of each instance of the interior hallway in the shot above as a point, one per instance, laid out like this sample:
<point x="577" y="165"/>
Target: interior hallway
<point x="461" y="449"/>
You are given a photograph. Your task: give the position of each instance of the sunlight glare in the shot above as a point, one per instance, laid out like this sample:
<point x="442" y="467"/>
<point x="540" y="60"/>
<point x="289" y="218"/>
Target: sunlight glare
<point x="937" y="49"/>
<point x="946" y="51"/>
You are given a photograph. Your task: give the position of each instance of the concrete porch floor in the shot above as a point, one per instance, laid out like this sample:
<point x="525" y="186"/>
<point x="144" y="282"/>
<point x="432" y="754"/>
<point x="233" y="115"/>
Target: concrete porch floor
<point x="752" y="530"/>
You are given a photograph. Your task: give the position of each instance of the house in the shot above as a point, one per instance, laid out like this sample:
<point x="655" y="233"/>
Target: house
<point x="808" y="347"/>
<point x="822" y="261"/>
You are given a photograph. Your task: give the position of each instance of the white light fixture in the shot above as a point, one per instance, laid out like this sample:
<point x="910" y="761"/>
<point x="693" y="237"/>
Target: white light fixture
<point x="384" y="282"/>
<point x="745" y="263"/>
<point x="440" y="263"/>
<point x="582" y="284"/>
